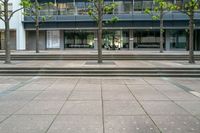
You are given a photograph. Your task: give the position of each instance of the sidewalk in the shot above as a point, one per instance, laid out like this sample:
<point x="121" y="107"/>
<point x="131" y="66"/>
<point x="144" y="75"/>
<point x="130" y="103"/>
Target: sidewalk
<point x="99" y="105"/>
<point x="93" y="52"/>
<point x="107" y="64"/>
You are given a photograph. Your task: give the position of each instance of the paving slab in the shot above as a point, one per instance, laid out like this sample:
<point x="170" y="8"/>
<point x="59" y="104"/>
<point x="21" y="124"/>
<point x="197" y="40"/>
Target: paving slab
<point x="114" y="95"/>
<point x="137" y="80"/>
<point x="115" y="88"/>
<point x="41" y="107"/>
<point x="19" y="95"/>
<point x="35" y="86"/>
<point x="82" y="108"/>
<point x="87" y="95"/>
<point x="129" y="124"/>
<point x="26" y="124"/>
<point x="163" y="108"/>
<point x="88" y="87"/>
<point x="44" y="80"/>
<point x="77" y="124"/>
<point x="177" y="124"/>
<point x="175" y="93"/>
<point x="112" y="81"/>
<point x="90" y="81"/>
<point x="147" y="94"/>
<point x="122" y="108"/>
<point x="66" y="80"/>
<point x="8" y="81"/>
<point x="191" y="106"/>
<point x="53" y="95"/>
<point x="61" y="87"/>
<point x="4" y="87"/>
<point x="3" y="117"/>
<point x="10" y="107"/>
<point x="155" y="81"/>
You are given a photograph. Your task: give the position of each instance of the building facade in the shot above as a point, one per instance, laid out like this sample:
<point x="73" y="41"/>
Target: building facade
<point x="70" y="27"/>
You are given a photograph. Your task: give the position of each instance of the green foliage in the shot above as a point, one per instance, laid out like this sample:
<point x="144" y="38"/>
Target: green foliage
<point x="97" y="13"/>
<point x="33" y="9"/>
<point x="190" y="6"/>
<point x="161" y="7"/>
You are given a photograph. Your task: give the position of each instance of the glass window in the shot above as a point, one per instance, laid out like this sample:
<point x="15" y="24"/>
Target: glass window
<point x="79" y="39"/>
<point x="49" y="10"/>
<point x="147" y="4"/>
<point x="138" y="5"/>
<point x="124" y="7"/>
<point x="128" y="7"/>
<point x="179" y="2"/>
<point x="80" y="8"/>
<point x="66" y="8"/>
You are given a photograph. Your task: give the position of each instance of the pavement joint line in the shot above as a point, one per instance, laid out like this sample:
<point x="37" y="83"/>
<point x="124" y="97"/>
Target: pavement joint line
<point x="16" y="87"/>
<point x="27" y="102"/>
<point x="194" y="116"/>
<point x="102" y="104"/>
<point x="62" y="106"/>
<point x="187" y="89"/>
<point x="144" y="108"/>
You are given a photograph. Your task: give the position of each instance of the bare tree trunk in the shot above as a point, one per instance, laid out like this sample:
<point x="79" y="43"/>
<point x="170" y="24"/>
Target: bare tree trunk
<point x="100" y="31"/>
<point x="7" y="35"/>
<point x="37" y="39"/>
<point x="191" y="30"/>
<point x="37" y="27"/>
<point x="113" y="40"/>
<point x="161" y="32"/>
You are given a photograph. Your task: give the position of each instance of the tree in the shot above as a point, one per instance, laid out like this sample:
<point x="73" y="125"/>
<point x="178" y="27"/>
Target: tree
<point x="189" y="7"/>
<point x="32" y="9"/>
<point x="97" y="10"/>
<point x="160" y="8"/>
<point x="5" y="16"/>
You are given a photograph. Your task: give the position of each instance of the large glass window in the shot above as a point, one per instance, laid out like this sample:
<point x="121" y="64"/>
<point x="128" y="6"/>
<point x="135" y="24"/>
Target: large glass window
<point x="138" y="5"/>
<point x="147" y="4"/>
<point x="146" y="39"/>
<point x="178" y="39"/>
<point x="66" y="8"/>
<point x="82" y="7"/>
<point x="78" y="39"/>
<point x="115" y="39"/>
<point x="124" y="7"/>
<point x="49" y="10"/>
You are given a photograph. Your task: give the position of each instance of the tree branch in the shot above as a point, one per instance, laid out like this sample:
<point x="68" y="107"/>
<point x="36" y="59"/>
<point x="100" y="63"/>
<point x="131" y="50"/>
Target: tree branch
<point x="2" y="19"/>
<point x="14" y="13"/>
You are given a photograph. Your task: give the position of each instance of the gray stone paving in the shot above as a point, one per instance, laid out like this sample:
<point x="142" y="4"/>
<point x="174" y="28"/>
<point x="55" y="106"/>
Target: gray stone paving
<point x="99" y="105"/>
<point x="117" y="64"/>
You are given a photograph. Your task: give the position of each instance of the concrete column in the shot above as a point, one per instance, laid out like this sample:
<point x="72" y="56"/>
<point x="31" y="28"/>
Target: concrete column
<point x="167" y="40"/>
<point x="20" y="38"/>
<point x="195" y="40"/>
<point x="95" y="40"/>
<point x="131" y="40"/>
<point x="62" y="40"/>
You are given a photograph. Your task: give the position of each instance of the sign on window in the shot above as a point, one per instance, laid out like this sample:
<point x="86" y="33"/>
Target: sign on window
<point x="53" y="39"/>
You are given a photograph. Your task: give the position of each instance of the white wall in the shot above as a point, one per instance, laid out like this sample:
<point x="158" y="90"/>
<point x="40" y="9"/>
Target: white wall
<point x="16" y="24"/>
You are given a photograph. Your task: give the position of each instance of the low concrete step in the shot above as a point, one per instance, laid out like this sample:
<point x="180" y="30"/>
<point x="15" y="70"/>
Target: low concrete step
<point x="178" y="72"/>
<point x="94" y="57"/>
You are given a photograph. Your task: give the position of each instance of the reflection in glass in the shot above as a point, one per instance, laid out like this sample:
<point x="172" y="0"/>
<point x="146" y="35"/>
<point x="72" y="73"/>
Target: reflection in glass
<point x="66" y="8"/>
<point x="78" y="39"/>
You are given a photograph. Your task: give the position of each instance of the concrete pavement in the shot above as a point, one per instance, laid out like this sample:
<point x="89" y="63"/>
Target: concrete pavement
<point x="93" y="51"/>
<point x="99" y="105"/>
<point x="110" y="64"/>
